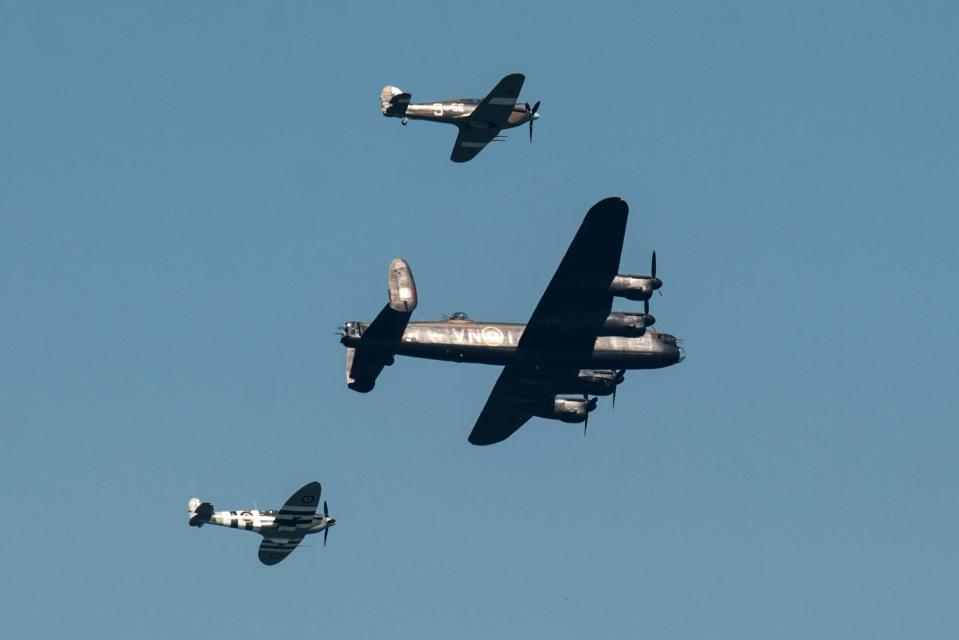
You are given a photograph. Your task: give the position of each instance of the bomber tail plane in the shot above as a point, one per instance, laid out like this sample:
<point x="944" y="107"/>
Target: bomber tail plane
<point x="378" y="340"/>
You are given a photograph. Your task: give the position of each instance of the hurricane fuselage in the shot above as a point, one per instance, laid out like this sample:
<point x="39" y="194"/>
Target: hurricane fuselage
<point x="458" y="111"/>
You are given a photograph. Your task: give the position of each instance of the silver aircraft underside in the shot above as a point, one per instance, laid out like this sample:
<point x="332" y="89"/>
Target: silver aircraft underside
<point x="497" y="343"/>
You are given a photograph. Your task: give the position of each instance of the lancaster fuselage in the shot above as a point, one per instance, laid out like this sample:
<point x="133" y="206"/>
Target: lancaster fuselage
<point x="496" y="343"/>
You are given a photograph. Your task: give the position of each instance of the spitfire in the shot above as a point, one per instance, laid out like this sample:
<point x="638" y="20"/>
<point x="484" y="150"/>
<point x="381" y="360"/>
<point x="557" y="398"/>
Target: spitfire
<point x="574" y="343"/>
<point x="282" y="530"/>
<point x="479" y="121"/>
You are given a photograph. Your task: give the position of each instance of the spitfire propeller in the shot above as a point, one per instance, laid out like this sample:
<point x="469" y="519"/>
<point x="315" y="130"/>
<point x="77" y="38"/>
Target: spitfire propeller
<point x="326" y="514"/>
<point x="532" y="116"/>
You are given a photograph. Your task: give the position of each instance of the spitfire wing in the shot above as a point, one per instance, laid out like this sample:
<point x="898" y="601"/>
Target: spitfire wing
<point x="567" y="319"/>
<point x="471" y="141"/>
<point x="495" y="108"/>
<point x="297" y="514"/>
<point x="273" y="550"/>
<point x="292" y="522"/>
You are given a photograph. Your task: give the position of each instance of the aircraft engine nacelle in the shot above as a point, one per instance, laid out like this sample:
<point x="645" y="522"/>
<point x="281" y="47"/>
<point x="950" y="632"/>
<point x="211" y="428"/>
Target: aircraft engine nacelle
<point x="401" y="287"/>
<point x="626" y="324"/>
<point x="638" y="288"/>
<point x="568" y="409"/>
<point x="598" y="382"/>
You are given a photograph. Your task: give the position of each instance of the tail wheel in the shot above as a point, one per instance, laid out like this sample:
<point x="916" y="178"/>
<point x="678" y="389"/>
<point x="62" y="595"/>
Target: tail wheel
<point x="404" y="121"/>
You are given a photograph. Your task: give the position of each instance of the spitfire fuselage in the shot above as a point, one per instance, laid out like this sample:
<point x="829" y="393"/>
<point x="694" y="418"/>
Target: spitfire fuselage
<point x="261" y="521"/>
<point x="496" y="343"/>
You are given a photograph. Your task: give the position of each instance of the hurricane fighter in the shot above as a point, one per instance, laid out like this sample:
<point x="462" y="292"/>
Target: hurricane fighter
<point x="574" y="345"/>
<point x="479" y="121"/>
<point x="282" y="530"/>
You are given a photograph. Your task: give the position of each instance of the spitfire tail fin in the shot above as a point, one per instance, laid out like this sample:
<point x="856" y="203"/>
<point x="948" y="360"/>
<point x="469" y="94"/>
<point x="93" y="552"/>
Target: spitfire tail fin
<point x="198" y="512"/>
<point x="393" y="101"/>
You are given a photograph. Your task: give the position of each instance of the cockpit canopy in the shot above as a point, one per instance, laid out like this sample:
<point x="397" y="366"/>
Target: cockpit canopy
<point x="458" y="316"/>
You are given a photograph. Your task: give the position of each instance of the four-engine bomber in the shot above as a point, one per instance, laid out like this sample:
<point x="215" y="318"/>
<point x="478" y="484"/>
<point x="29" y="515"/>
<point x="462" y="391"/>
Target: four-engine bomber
<point x="573" y="343"/>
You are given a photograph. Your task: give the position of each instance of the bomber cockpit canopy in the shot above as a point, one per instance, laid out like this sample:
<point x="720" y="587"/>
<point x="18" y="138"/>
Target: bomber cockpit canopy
<point x="458" y="316"/>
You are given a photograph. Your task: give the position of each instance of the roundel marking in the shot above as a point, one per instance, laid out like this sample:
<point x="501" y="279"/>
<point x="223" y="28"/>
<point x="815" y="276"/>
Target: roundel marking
<point x="307" y="499"/>
<point x="492" y="336"/>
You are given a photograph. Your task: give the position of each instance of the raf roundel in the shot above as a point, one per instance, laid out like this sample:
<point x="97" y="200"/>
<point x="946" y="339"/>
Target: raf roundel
<point x="307" y="499"/>
<point x="492" y="336"/>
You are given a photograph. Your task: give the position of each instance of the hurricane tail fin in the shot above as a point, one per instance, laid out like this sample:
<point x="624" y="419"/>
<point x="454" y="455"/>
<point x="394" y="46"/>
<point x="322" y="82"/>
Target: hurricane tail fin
<point x="393" y="101"/>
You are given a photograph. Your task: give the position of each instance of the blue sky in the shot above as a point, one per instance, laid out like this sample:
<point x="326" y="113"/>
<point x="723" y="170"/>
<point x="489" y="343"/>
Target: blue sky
<point x="194" y="196"/>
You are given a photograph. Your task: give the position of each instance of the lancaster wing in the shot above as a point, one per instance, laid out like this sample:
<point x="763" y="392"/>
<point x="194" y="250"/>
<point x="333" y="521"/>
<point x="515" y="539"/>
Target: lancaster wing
<point x="577" y="301"/>
<point x="567" y="319"/>
<point x="507" y="409"/>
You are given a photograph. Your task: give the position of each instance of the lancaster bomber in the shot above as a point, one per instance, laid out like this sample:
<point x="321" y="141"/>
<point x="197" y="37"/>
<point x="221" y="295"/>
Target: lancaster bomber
<point x="574" y="343"/>
<point x="479" y="121"/>
<point x="282" y="530"/>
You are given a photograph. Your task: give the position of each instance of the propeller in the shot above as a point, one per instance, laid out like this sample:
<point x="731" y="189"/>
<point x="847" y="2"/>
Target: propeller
<point x="532" y="116"/>
<point x="326" y="514"/>
<point x="657" y="283"/>
<point x="590" y="405"/>
<point x="616" y="381"/>
<point x="649" y="319"/>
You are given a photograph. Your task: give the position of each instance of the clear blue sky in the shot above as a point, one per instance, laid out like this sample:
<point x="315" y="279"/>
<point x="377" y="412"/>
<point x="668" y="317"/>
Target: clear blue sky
<point x="194" y="195"/>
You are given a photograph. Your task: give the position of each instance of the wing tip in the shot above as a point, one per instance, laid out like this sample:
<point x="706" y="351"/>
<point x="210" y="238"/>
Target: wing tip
<point x="479" y="440"/>
<point x="313" y="486"/>
<point x="608" y="207"/>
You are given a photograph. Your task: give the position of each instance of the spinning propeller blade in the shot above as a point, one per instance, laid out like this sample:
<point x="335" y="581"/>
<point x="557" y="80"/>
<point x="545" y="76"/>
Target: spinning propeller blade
<point x="532" y="113"/>
<point x="657" y="281"/>
<point x="616" y="381"/>
<point x="326" y="514"/>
